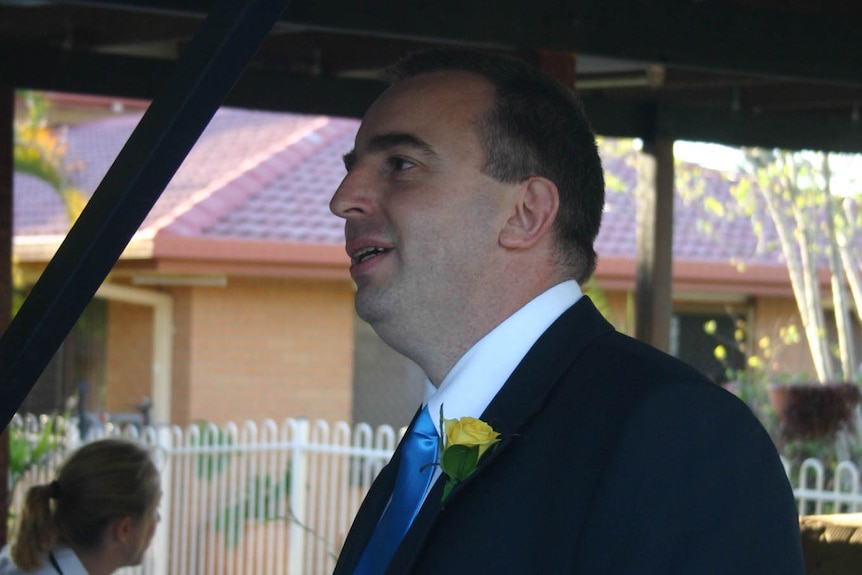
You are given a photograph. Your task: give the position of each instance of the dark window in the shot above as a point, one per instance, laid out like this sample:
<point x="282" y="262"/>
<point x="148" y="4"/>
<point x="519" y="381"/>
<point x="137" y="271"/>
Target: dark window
<point x="693" y="343"/>
<point x="79" y="363"/>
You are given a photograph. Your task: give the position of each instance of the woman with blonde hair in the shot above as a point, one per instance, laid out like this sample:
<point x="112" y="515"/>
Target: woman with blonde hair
<point x="98" y="515"/>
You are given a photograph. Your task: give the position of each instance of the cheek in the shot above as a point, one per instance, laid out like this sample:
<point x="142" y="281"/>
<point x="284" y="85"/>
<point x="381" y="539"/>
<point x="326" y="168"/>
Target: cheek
<point x="450" y="226"/>
<point x="148" y="537"/>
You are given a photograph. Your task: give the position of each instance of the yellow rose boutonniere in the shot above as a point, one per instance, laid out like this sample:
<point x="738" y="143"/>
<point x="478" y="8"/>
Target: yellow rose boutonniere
<point x="463" y="444"/>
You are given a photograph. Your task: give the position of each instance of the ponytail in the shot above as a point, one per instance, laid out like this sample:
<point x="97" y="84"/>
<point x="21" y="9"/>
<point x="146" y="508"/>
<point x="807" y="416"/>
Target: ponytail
<point x="37" y="533"/>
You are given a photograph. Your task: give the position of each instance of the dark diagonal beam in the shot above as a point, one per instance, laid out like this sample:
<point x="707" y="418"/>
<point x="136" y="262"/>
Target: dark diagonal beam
<point x="225" y="43"/>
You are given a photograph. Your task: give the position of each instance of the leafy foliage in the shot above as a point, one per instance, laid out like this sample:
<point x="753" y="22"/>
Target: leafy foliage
<point x="259" y="502"/>
<point x="28" y="449"/>
<point x="209" y="465"/>
<point x="788" y="196"/>
<point x="40" y="152"/>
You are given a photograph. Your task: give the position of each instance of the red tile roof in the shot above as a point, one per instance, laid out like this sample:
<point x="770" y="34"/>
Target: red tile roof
<point x="267" y="177"/>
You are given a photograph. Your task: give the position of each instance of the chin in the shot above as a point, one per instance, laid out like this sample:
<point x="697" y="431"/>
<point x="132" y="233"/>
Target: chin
<point x="369" y="309"/>
<point x="138" y="557"/>
<point x="134" y="562"/>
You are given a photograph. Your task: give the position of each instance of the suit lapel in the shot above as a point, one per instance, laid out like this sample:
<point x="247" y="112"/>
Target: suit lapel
<point x="521" y="398"/>
<point x="527" y="389"/>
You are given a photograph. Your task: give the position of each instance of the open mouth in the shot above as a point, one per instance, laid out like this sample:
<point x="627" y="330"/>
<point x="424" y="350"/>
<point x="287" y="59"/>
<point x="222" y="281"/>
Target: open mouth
<point x="365" y="254"/>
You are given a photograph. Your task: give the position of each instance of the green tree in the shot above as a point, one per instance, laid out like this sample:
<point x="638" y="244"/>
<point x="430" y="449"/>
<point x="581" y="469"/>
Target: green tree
<point x="40" y="152"/>
<point x="815" y="229"/>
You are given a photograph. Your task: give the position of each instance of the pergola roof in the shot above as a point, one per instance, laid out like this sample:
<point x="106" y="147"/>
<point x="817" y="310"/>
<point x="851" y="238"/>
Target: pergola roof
<point x="741" y="72"/>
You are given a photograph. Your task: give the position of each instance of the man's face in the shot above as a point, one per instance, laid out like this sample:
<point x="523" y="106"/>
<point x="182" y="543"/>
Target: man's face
<point x="422" y="220"/>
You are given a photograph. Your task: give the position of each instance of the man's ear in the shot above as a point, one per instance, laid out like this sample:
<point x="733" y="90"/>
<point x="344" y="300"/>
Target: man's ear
<point x="533" y="213"/>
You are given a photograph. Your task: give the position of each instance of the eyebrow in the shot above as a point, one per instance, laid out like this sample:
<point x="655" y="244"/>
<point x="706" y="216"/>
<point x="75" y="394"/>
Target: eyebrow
<point x="382" y="142"/>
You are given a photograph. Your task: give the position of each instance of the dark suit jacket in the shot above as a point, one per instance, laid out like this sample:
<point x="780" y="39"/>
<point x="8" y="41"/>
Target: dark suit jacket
<point x="616" y="459"/>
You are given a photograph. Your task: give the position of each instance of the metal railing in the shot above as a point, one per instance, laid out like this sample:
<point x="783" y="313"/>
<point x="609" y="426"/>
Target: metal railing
<point x="815" y="497"/>
<point x="278" y="499"/>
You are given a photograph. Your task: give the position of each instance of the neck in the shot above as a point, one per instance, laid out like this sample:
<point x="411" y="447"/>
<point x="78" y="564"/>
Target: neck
<point x="444" y="340"/>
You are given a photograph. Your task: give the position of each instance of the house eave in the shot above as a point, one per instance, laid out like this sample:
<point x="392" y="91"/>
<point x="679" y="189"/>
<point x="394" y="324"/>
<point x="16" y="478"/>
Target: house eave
<point x="41" y="248"/>
<point x="262" y="258"/>
<point x="174" y="255"/>
<point x="706" y="277"/>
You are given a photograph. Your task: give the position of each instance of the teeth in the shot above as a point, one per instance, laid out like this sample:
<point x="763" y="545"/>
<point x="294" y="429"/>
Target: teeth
<point x="365" y="253"/>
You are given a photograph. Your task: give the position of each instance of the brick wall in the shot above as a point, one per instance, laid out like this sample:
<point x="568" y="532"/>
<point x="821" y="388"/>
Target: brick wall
<point x="270" y="349"/>
<point x="252" y="350"/>
<point x="276" y="348"/>
<point x="128" y="373"/>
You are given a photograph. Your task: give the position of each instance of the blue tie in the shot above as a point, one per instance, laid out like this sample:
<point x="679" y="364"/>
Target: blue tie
<point x="415" y="470"/>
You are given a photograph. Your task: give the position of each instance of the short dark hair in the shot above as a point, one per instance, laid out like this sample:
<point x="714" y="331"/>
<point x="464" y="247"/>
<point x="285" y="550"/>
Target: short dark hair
<point x="537" y="128"/>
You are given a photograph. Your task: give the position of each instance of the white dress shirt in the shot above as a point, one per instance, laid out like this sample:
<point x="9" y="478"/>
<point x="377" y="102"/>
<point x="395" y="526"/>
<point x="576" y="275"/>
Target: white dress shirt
<point x="476" y="379"/>
<point x="65" y="557"/>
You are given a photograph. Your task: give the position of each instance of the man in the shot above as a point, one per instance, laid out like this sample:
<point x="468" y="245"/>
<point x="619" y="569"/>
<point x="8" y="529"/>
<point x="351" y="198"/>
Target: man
<point x="472" y="199"/>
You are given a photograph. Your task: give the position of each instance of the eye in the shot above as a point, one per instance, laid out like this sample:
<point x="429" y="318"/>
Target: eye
<point x="399" y="164"/>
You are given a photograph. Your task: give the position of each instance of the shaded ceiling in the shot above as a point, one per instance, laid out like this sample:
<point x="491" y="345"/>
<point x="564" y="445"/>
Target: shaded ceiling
<point x="744" y="72"/>
<point x="740" y="72"/>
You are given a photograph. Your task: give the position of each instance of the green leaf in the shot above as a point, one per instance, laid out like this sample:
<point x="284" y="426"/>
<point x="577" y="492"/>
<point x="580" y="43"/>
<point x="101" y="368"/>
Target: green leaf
<point x="47" y="442"/>
<point x="19" y="452"/>
<point x="459" y="461"/>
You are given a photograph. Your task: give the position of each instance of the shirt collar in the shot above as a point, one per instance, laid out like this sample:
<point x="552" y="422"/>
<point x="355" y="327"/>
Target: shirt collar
<point x="476" y="378"/>
<point x="69" y="562"/>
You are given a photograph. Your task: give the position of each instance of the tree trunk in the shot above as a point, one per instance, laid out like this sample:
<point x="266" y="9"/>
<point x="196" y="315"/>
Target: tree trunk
<point x="839" y="290"/>
<point x="801" y="271"/>
<point x="852" y="263"/>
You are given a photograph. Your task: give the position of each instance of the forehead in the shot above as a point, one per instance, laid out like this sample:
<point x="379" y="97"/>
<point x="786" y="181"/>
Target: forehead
<point x="430" y="105"/>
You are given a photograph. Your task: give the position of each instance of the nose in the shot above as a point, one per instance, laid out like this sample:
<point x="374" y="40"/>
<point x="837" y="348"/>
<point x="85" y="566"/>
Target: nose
<point x="353" y="197"/>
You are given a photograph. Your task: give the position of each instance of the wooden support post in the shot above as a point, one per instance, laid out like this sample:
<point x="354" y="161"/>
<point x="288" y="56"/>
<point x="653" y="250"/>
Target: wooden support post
<point x="560" y="65"/>
<point x="7" y="115"/>
<point x="655" y="193"/>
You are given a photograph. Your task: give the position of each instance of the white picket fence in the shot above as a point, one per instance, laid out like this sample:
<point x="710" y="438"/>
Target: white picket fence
<point x="270" y="499"/>
<point x="255" y="499"/>
<point x="812" y="496"/>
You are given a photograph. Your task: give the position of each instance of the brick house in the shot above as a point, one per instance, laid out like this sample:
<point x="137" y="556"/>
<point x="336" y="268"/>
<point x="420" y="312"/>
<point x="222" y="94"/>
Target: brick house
<point x="233" y="301"/>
